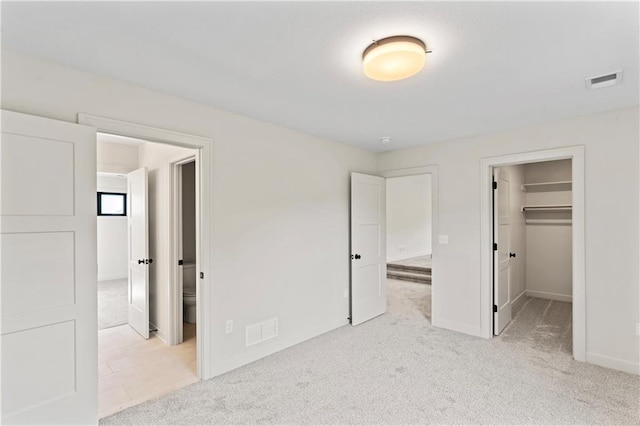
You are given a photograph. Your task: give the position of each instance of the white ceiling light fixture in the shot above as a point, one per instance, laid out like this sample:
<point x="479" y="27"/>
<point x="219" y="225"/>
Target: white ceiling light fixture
<point x="394" y="58"/>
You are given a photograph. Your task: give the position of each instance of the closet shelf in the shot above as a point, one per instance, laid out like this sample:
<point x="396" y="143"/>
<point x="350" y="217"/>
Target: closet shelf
<point x="549" y="207"/>
<point x="564" y="185"/>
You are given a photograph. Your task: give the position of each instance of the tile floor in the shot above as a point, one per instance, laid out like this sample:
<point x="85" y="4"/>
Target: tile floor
<point x="133" y="370"/>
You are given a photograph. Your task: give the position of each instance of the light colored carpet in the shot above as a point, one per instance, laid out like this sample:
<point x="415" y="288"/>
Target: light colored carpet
<point x="112" y="303"/>
<point x="398" y="369"/>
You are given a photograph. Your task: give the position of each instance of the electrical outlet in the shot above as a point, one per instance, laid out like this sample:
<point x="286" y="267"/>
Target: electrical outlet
<point x="402" y="248"/>
<point x="229" y="326"/>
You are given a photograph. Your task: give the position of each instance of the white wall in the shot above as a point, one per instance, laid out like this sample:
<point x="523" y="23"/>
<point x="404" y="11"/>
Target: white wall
<point x="611" y="229"/>
<point x="517" y="231"/>
<point x="280" y="202"/>
<point x="155" y="157"/>
<point x="112" y="234"/>
<point x="189" y="212"/>
<point x="549" y="259"/>
<point x="115" y="157"/>
<point x="408" y="216"/>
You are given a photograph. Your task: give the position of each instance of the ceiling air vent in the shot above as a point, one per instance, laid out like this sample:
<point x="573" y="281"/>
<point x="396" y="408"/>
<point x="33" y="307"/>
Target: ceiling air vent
<point x="604" y="80"/>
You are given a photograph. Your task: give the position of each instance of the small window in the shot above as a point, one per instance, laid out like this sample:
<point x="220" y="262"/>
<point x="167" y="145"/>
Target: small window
<point x="112" y="204"/>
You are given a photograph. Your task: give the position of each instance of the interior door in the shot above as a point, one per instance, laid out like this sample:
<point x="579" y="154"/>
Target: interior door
<point x="49" y="335"/>
<point x="501" y="259"/>
<point x="368" y="247"/>
<point x="139" y="261"/>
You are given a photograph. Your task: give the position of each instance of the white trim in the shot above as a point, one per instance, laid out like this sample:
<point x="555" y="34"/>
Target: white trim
<point x="134" y="130"/>
<point x="407" y="255"/>
<point x="174" y="241"/>
<point x="614" y="363"/>
<point x="270" y="347"/>
<point x="204" y="345"/>
<point x="576" y="154"/>
<point x="549" y="296"/>
<point x="158" y="333"/>
<point x="433" y="171"/>
<point x="111" y="277"/>
<point x="524" y="293"/>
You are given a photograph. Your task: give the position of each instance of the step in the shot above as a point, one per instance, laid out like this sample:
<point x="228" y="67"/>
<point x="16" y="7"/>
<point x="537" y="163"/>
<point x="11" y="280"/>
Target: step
<point x="409" y="276"/>
<point x="398" y="267"/>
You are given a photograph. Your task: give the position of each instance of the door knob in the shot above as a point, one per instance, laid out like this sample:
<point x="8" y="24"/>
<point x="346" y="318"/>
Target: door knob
<point x="358" y="256"/>
<point x="140" y="261"/>
<point x="512" y="255"/>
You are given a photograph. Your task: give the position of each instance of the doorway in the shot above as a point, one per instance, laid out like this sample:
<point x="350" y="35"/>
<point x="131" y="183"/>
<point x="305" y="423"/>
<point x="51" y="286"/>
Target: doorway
<point x="137" y="361"/>
<point x="204" y="149"/>
<point x="550" y="208"/>
<point x="184" y="236"/>
<point x="409" y="244"/>
<point x="532" y="254"/>
<point x="368" y="246"/>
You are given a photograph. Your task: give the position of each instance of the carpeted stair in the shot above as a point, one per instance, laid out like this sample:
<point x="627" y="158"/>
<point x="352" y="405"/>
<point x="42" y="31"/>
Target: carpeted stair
<point x="416" y="274"/>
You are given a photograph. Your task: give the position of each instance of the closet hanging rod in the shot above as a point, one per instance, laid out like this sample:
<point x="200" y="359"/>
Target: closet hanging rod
<point x="548" y="207"/>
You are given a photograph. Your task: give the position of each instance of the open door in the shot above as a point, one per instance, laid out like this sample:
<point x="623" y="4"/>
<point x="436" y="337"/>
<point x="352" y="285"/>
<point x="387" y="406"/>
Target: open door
<point x="49" y="335"/>
<point x="139" y="261"/>
<point x="501" y="259"/>
<point x="368" y="247"/>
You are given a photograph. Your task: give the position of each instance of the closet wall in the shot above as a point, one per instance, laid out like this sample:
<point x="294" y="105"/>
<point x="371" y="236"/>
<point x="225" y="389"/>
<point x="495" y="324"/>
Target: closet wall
<point x="548" y="230"/>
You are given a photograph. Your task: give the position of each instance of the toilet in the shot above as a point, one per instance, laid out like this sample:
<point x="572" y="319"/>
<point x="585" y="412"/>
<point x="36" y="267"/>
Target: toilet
<point x="189" y="292"/>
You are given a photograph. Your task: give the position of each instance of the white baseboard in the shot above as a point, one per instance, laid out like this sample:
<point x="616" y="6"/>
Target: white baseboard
<point x="613" y="363"/>
<point x="460" y="328"/>
<point x="519" y="296"/>
<point x="112" y="277"/>
<point x="159" y="333"/>
<point x="407" y="256"/>
<point x="275" y="346"/>
<point x="550" y="296"/>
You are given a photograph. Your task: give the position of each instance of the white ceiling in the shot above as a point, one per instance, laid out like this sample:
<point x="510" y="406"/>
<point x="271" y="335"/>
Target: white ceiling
<point x="494" y="65"/>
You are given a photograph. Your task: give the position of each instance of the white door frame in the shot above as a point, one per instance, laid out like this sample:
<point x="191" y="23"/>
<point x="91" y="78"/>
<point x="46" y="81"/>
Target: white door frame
<point x="204" y="145"/>
<point x="576" y="155"/>
<point x="433" y="171"/>
<point x="175" y="336"/>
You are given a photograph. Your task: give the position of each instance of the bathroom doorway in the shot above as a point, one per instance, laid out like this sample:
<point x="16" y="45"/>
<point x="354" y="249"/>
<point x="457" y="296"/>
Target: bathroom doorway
<point x="184" y="224"/>
<point x="141" y="359"/>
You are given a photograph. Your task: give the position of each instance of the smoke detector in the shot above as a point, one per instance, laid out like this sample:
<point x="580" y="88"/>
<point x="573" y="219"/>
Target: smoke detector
<point x="385" y="140"/>
<point x="605" y="80"/>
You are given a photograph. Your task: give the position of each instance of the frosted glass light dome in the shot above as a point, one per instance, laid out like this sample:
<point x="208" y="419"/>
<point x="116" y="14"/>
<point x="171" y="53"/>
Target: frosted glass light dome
<point x="394" y="58"/>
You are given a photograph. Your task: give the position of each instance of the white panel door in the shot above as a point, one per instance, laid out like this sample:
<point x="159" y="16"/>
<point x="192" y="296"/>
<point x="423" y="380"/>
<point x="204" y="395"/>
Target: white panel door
<point x="368" y="247"/>
<point x="49" y="333"/>
<point x="501" y="259"/>
<point x="139" y="261"/>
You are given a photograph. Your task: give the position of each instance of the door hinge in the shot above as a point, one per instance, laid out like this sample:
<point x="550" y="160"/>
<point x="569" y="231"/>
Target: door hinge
<point x="495" y="185"/>
<point x="495" y="308"/>
<point x="180" y="262"/>
<point x="495" y="246"/>
<point x="202" y="275"/>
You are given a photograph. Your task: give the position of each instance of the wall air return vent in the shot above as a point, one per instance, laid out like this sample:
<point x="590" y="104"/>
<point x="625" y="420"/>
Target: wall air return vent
<point x="262" y="331"/>
<point x="605" y="80"/>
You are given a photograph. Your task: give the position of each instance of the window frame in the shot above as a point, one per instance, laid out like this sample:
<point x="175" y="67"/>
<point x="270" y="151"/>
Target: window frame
<point x="124" y="203"/>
